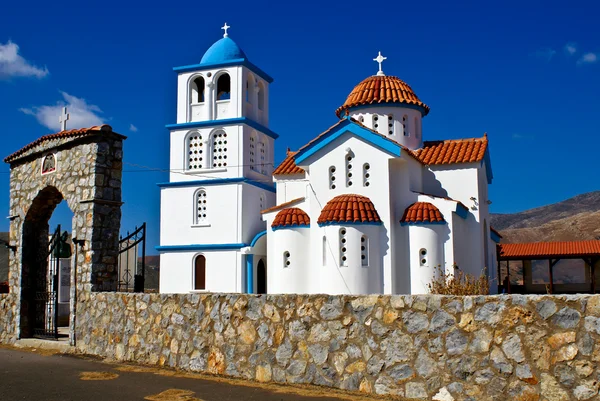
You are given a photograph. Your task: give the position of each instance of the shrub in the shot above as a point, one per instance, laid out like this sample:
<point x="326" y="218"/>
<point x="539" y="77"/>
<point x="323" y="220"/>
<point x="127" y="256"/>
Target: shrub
<point x="458" y="283"/>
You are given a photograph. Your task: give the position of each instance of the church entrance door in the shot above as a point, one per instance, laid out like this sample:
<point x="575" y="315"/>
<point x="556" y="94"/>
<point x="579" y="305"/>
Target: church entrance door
<point x="261" y="277"/>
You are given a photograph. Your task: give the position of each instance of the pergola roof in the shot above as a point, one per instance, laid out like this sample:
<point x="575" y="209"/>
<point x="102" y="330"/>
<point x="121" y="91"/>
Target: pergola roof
<point x="549" y="250"/>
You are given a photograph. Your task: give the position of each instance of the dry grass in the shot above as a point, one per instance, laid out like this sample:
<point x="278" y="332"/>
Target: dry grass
<point x="458" y="283"/>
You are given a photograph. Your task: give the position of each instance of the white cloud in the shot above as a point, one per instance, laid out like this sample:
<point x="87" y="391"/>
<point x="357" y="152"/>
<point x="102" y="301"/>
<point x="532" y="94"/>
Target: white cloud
<point x="133" y="128"/>
<point x="13" y="65"/>
<point x="588" y="58"/>
<point x="570" y="48"/>
<point x="545" y="53"/>
<point x="81" y="114"/>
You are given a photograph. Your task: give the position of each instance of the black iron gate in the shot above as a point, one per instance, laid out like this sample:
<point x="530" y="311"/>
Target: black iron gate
<point x="132" y="270"/>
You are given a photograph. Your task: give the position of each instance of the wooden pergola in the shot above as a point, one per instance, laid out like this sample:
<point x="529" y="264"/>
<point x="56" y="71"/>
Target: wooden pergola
<point x="552" y="252"/>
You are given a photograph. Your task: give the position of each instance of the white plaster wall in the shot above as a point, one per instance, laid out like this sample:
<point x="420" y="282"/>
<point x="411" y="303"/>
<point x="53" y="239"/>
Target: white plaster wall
<point x="293" y="279"/>
<point x="290" y="189"/>
<point x="413" y="140"/>
<point x="251" y="206"/>
<point x="223" y="271"/>
<point x="263" y="170"/>
<point x="429" y="237"/>
<point x="352" y="277"/>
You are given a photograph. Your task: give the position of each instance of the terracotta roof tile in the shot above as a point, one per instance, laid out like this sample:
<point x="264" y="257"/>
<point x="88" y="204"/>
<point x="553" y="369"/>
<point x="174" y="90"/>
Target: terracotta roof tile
<point x="74" y="133"/>
<point x="291" y="217"/>
<point x="549" y="249"/>
<point x="349" y="209"/>
<point x="282" y="205"/>
<point x="422" y="212"/>
<point x="381" y="89"/>
<point x="452" y="151"/>
<point x="288" y="166"/>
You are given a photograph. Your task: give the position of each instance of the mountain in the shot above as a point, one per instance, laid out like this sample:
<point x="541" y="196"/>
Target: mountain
<point x="574" y="219"/>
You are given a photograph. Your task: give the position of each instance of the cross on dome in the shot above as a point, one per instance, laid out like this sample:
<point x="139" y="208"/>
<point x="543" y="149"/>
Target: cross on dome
<point x="380" y="60"/>
<point x="225" y="28"/>
<point x="62" y="119"/>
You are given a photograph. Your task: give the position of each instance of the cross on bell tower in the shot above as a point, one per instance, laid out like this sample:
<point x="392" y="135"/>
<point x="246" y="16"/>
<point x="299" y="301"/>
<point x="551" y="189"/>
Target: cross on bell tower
<point x="64" y="117"/>
<point x="225" y="28"/>
<point x="380" y="60"/>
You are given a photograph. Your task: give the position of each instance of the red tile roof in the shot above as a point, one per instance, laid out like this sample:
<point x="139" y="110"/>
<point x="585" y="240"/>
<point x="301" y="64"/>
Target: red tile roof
<point x="288" y="166"/>
<point x="381" y="89"/>
<point x="452" y="151"/>
<point x="291" y="217"/>
<point x="542" y="250"/>
<point x="349" y="209"/>
<point x="74" y="133"/>
<point x="282" y="205"/>
<point x="422" y="212"/>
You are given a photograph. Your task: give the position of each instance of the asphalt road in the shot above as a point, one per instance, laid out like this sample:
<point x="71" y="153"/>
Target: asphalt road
<point x="32" y="376"/>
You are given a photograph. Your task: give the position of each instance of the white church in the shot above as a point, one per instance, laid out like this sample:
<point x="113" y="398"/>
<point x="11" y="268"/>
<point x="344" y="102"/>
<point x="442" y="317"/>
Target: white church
<point x="366" y="207"/>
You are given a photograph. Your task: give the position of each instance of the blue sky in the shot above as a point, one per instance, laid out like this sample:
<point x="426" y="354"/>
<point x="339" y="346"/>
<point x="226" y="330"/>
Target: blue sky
<point x="526" y="72"/>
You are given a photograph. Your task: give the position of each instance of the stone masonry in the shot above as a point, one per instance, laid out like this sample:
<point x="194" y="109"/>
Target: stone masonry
<point x="506" y="347"/>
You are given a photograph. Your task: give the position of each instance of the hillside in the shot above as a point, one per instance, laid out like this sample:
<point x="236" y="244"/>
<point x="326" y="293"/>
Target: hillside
<point x="577" y="218"/>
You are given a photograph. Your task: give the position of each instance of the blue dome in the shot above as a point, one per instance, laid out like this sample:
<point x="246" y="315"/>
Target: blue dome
<point x="221" y="51"/>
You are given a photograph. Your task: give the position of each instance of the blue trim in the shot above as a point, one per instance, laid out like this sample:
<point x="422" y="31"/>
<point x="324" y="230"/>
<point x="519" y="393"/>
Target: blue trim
<point x="424" y="223"/>
<point x="199" y="247"/>
<point x="495" y="237"/>
<point x="217" y="181"/>
<point x="290" y="227"/>
<point x="345" y="126"/>
<point x="257" y="237"/>
<point x="391" y="104"/>
<point x="462" y="211"/>
<point x="488" y="164"/>
<point x="239" y="61"/>
<point x="228" y="121"/>
<point x="344" y="223"/>
<point x="249" y="273"/>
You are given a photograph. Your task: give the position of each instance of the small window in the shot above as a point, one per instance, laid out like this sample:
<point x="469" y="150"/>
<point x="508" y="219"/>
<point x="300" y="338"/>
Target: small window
<point x="261" y="206"/>
<point x="366" y="174"/>
<point x="423" y="257"/>
<point x="391" y="124"/>
<point x="364" y="250"/>
<point x="219" y="149"/>
<point x="224" y="87"/>
<point x="332" y="177"/>
<point x="324" y="250"/>
<point x="200" y="207"/>
<point x="405" y="125"/>
<point x="349" y="166"/>
<point x="343" y="247"/>
<point x="261" y="96"/>
<point x="200" y="273"/>
<point x="361" y="119"/>
<point x="286" y="259"/>
<point x="252" y="151"/>
<point x="195" y="151"/>
<point x="375" y="122"/>
<point x="262" y="149"/>
<point x="198" y="90"/>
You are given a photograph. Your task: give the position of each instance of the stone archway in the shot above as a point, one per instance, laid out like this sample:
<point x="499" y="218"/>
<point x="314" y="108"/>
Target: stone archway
<point x="85" y="170"/>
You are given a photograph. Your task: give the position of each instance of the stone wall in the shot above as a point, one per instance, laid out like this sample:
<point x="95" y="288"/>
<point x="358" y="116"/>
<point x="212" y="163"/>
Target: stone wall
<point x="419" y="347"/>
<point x="8" y="321"/>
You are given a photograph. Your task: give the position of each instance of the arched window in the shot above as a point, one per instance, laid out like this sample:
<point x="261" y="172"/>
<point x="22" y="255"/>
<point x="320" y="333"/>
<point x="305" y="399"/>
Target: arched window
<point x="200" y="273"/>
<point x="250" y="84"/>
<point x="423" y="257"/>
<point x="200" y="207"/>
<point x="343" y="247"/>
<point x="364" y="250"/>
<point x="332" y="177"/>
<point x="197" y="90"/>
<point x="286" y="259"/>
<point x="349" y="160"/>
<point x="195" y="151"/>
<point x="261" y="96"/>
<point x="219" y="149"/>
<point x="224" y="87"/>
<point x="252" y="151"/>
<point x="366" y="174"/>
<point x="405" y="125"/>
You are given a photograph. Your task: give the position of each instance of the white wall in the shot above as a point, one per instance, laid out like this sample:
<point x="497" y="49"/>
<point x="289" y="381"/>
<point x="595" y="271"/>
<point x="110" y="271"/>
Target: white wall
<point x="431" y="238"/>
<point x="292" y="278"/>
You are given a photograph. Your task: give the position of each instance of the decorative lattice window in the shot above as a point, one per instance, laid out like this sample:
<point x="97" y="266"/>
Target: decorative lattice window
<point x="375" y="122"/>
<point x="423" y="257"/>
<point x="219" y="143"/>
<point x="262" y="149"/>
<point x="195" y="149"/>
<point x="332" y="177"/>
<point x="366" y="174"/>
<point x="391" y="124"/>
<point x="364" y="250"/>
<point x="349" y="160"/>
<point x="343" y="247"/>
<point x="252" y="152"/>
<point x="201" y="206"/>
<point x="405" y="125"/>
<point x="261" y="206"/>
<point x="286" y="259"/>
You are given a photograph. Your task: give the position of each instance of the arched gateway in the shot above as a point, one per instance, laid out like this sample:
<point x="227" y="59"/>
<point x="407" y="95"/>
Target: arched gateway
<point x="82" y="167"/>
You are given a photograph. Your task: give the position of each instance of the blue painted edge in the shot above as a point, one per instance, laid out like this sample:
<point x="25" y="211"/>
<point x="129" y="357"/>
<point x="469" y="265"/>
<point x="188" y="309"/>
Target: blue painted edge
<point x="229" y="63"/>
<point x="199" y="247"/>
<point x="345" y="126"/>
<point x="216" y="181"/>
<point x="488" y="164"/>
<point x="391" y="104"/>
<point x="228" y="121"/>
<point x="462" y="211"/>
<point x="344" y="223"/>
<point x="257" y="237"/>
<point x="249" y="273"/>
<point x="291" y="227"/>
<point x="495" y="237"/>
<point x="424" y="223"/>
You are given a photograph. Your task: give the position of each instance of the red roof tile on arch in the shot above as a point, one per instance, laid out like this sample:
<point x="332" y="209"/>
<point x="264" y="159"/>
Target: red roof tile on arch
<point x="422" y="212"/>
<point x="291" y="217"/>
<point x="349" y="208"/>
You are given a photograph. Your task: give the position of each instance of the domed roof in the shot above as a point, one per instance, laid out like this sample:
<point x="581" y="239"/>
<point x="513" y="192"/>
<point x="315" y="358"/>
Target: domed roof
<point x="422" y="212"/>
<point x="224" y="49"/>
<point x="349" y="209"/>
<point x="382" y="89"/>
<point x="291" y="217"/>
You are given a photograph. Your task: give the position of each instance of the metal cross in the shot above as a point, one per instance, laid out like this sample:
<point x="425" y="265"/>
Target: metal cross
<point x="63" y="119"/>
<point x="380" y="59"/>
<point x="225" y="28"/>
